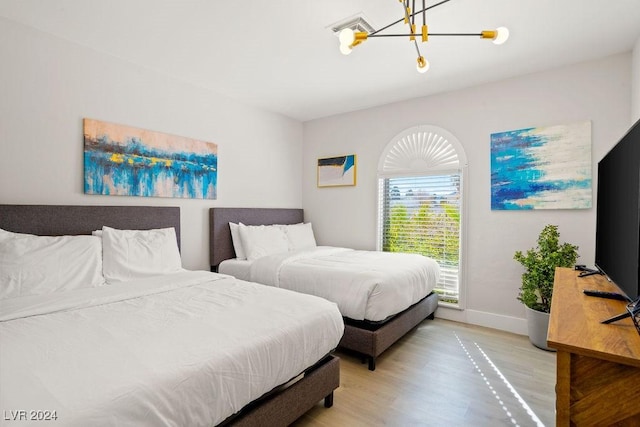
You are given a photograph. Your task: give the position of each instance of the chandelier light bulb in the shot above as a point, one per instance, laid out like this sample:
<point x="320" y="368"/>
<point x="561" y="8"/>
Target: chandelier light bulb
<point x="423" y="65"/>
<point x="502" y="34"/>
<point x="345" y="49"/>
<point x="347" y="37"/>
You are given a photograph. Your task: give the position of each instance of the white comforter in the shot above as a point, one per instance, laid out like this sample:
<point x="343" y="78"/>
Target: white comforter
<point x="186" y="349"/>
<point x="366" y="285"/>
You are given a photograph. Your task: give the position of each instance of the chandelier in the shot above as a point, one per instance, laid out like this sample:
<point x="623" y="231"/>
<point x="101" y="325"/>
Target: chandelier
<point x="352" y="35"/>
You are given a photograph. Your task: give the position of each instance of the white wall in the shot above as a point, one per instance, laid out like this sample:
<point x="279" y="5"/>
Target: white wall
<point x="47" y="85"/>
<point x="635" y="83"/>
<point x="597" y="91"/>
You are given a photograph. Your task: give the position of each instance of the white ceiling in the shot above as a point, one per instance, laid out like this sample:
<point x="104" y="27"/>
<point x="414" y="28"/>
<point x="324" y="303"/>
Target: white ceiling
<point x="281" y="56"/>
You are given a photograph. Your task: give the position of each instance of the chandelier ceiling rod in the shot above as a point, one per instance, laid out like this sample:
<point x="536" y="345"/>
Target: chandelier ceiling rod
<point x="421" y="61"/>
<point x="424" y="9"/>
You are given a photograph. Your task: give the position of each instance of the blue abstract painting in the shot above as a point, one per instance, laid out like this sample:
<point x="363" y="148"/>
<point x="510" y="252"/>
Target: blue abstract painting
<point x="126" y="161"/>
<point x="542" y="168"/>
<point x="337" y="171"/>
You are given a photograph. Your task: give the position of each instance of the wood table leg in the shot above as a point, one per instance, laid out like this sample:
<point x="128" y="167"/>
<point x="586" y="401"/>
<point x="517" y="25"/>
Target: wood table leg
<point x="563" y="388"/>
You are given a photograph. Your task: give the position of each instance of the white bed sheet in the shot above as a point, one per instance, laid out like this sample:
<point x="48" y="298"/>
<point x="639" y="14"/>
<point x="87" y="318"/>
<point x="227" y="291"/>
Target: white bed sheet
<point x="366" y="285"/>
<point x="238" y="268"/>
<point x="190" y="348"/>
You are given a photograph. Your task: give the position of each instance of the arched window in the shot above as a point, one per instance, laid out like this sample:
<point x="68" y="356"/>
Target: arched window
<point x="420" y="201"/>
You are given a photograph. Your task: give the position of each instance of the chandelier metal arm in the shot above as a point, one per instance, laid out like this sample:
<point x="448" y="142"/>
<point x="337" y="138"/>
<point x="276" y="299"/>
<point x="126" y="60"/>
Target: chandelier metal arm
<point x="417" y="48"/>
<point x="456" y="34"/>
<point x="412" y="15"/>
<point x="429" y="34"/>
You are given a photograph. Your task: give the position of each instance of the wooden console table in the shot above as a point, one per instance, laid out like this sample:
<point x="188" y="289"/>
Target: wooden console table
<point x="598" y="366"/>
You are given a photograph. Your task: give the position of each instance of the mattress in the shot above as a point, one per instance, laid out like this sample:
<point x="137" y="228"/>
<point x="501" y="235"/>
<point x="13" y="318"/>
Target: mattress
<point x="190" y="348"/>
<point x="366" y="285"/>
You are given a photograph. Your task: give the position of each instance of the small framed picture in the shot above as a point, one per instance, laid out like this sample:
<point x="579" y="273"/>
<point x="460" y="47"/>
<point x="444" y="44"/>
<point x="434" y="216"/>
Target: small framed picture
<point x="337" y="171"/>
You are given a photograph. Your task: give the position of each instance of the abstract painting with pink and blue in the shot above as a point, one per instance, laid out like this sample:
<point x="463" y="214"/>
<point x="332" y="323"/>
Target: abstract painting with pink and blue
<point x="542" y="168"/>
<point x="126" y="161"/>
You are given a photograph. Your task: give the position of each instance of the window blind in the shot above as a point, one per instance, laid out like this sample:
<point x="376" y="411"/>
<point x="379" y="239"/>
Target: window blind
<point x="421" y="214"/>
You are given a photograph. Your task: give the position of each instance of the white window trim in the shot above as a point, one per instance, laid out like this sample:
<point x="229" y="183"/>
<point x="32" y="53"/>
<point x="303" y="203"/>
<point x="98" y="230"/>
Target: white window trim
<point x="404" y="156"/>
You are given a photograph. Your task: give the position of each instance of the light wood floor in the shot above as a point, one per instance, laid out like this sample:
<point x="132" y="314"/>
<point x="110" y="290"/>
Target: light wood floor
<point x="445" y="374"/>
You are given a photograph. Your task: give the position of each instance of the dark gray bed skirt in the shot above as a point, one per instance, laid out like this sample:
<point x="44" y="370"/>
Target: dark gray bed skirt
<point x="371" y="339"/>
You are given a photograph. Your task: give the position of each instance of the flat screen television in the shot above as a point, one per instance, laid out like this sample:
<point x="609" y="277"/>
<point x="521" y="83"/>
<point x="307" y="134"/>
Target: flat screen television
<point x="618" y="213"/>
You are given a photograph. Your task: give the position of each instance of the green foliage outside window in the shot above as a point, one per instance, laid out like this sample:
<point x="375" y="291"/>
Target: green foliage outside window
<point x="421" y="215"/>
<point x="433" y="231"/>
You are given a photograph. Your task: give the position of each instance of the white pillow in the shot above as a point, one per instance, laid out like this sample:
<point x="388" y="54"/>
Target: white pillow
<point x="36" y="265"/>
<point x="262" y="240"/>
<point x="237" y="242"/>
<point x="300" y="236"/>
<point x="5" y="235"/>
<point x="131" y="254"/>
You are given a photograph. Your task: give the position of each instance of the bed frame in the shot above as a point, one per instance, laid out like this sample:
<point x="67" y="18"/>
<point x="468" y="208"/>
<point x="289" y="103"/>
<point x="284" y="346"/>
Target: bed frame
<point x="281" y="406"/>
<point x="367" y="338"/>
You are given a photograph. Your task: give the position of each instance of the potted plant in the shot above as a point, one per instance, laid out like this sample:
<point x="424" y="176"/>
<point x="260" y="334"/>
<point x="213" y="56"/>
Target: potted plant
<point x="537" y="281"/>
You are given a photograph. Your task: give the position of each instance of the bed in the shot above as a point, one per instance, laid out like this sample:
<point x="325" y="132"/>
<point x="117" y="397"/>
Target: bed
<point x="363" y="335"/>
<point x="181" y="348"/>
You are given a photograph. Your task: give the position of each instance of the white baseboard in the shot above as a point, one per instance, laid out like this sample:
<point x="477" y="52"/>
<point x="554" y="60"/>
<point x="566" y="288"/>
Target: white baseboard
<point x="515" y="325"/>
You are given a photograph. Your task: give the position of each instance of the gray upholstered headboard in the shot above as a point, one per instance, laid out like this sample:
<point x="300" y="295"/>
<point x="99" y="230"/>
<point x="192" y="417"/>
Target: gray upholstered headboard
<point x="56" y="220"/>
<point x="220" y="244"/>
